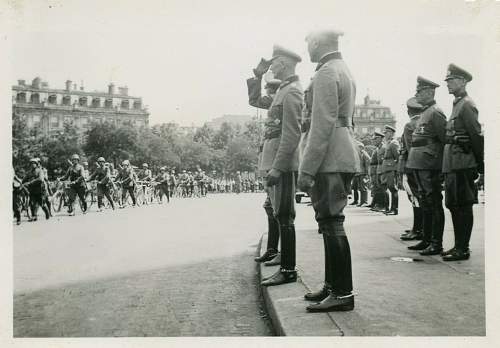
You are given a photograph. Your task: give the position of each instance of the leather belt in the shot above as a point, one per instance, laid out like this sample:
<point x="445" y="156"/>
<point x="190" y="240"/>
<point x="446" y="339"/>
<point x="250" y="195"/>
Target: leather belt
<point x="272" y="135"/>
<point x="343" y="122"/>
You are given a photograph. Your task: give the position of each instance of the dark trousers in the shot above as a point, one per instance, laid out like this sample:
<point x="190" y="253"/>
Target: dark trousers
<point x="16" y="205"/>
<point x="460" y="195"/>
<point x="329" y="198"/>
<point x="359" y="184"/>
<point x="163" y="189"/>
<point x="282" y="196"/>
<point x="103" y="190"/>
<point x="74" y="191"/>
<point x="37" y="200"/>
<point x="388" y="182"/>
<point x="431" y="200"/>
<point x="130" y="190"/>
<point x="411" y="188"/>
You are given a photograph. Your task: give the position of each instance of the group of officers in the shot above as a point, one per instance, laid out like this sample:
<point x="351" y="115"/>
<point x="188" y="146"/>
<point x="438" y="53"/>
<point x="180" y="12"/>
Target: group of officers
<point x="309" y="142"/>
<point x="35" y="185"/>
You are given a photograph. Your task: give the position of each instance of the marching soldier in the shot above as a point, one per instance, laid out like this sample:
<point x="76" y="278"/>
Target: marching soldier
<point x="145" y="176"/>
<point x="389" y="167"/>
<point x="426" y="159"/>
<point x="329" y="161"/>
<point x="408" y="179"/>
<point x="280" y="158"/>
<point x="103" y="177"/>
<point x="76" y="175"/>
<point x="35" y="183"/>
<point x="127" y="179"/>
<point x="162" y="180"/>
<point x="47" y="190"/>
<point x="264" y="102"/>
<point x="463" y="160"/>
<point x="375" y="192"/>
<point x="17" y="187"/>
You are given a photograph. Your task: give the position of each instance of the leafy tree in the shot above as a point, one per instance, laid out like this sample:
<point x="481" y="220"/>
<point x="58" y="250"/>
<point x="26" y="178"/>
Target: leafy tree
<point x="223" y="136"/>
<point x="241" y="155"/>
<point x="204" y="134"/>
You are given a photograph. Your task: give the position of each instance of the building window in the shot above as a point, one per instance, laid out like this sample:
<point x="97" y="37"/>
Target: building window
<point x="137" y="105"/>
<point x="54" y="122"/>
<point x="82" y="101"/>
<point x="125" y="104"/>
<point x="97" y="120"/>
<point x="364" y="130"/>
<point x="21" y="97"/>
<point x="68" y="119"/>
<point x="84" y="121"/>
<point x="36" y="120"/>
<point x="52" y="99"/>
<point x="96" y="102"/>
<point x="35" y="98"/>
<point x="108" y="103"/>
<point x="66" y="100"/>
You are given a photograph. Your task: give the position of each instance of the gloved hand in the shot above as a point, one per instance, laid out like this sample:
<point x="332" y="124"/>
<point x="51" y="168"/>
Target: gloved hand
<point x="305" y="182"/>
<point x="272" y="177"/>
<point x="480" y="167"/>
<point x="262" y="67"/>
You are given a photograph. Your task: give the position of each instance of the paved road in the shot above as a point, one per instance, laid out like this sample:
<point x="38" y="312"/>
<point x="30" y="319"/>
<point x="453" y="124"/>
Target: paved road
<point x="184" y="269"/>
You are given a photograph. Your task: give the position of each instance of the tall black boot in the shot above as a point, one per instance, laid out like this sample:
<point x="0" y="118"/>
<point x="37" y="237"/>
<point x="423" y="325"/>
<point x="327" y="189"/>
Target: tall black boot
<point x="320" y="295"/>
<point x="287" y="273"/>
<point x="468" y="223"/>
<point x="436" y="246"/>
<point x="364" y="198"/>
<point x="394" y="203"/>
<point x="457" y="229"/>
<point x="356" y="197"/>
<point x="417" y="219"/>
<point x="461" y="250"/>
<point x="273" y="235"/>
<point x="340" y="297"/>
<point x="427" y="230"/>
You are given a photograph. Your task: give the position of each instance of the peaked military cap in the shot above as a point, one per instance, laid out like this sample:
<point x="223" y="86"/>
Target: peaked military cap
<point x="423" y="83"/>
<point x="280" y="51"/>
<point x="455" y="71"/>
<point x="378" y="134"/>
<point x="387" y="127"/>
<point x="412" y="103"/>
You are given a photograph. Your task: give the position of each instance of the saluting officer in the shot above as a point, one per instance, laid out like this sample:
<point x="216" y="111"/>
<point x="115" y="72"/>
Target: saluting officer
<point x="256" y="99"/>
<point x="389" y="168"/>
<point x="280" y="158"/>
<point x="77" y="187"/>
<point x="328" y="164"/>
<point x="407" y="177"/>
<point x="426" y="158"/>
<point x="103" y="176"/>
<point x="377" y="195"/>
<point x="463" y="160"/>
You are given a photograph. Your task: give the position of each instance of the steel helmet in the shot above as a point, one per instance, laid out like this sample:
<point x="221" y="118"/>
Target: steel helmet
<point x="101" y="159"/>
<point x="163" y="169"/>
<point x="145" y="165"/>
<point x="126" y="162"/>
<point x="75" y="156"/>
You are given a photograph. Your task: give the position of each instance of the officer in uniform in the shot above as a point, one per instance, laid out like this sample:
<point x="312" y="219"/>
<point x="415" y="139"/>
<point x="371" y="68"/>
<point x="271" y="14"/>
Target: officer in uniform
<point x="377" y="198"/>
<point x="384" y="195"/>
<point x="127" y="178"/>
<point x="463" y="160"/>
<point x="77" y="187"/>
<point x="426" y="159"/>
<point x="389" y="168"/>
<point x="359" y="181"/>
<point x="328" y="164"/>
<point x="280" y="158"/>
<point x="103" y="176"/>
<point x="407" y="177"/>
<point x="256" y="99"/>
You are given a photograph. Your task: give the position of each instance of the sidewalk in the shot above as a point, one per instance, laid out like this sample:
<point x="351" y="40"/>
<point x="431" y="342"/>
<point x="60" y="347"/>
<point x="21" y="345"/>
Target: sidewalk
<point x="393" y="298"/>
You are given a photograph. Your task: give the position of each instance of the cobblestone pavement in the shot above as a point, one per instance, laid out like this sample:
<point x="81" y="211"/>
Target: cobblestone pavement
<point x="196" y="293"/>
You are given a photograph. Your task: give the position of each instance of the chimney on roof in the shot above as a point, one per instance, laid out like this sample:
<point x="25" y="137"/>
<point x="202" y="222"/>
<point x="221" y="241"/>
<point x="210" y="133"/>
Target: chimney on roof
<point x="68" y="85"/>
<point x="36" y="82"/>
<point x="21" y="82"/>
<point x="123" y="90"/>
<point x="111" y="88"/>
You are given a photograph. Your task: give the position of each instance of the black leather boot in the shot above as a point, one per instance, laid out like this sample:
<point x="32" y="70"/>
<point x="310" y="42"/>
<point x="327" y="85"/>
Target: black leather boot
<point x="320" y="295"/>
<point x="394" y="204"/>
<point x="282" y="277"/>
<point x="267" y="256"/>
<point x="276" y="261"/>
<point x="333" y="303"/>
<point x="287" y="246"/>
<point x="427" y="231"/>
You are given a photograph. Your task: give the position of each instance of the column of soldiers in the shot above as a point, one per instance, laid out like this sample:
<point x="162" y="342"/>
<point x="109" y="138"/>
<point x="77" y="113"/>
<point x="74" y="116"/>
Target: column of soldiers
<point x="309" y="142"/>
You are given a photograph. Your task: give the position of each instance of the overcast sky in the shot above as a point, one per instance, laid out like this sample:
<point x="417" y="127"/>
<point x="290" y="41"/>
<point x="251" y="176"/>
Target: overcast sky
<point x="189" y="59"/>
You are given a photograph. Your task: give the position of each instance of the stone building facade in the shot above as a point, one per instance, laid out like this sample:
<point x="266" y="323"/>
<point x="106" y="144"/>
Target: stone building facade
<point x="371" y="116"/>
<point x="49" y="109"/>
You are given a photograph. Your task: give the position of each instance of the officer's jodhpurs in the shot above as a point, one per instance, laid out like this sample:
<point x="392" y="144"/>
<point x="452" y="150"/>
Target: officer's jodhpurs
<point x="329" y="198"/>
<point x="273" y="231"/>
<point x="431" y="201"/>
<point x="460" y="195"/>
<point x="282" y="197"/>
